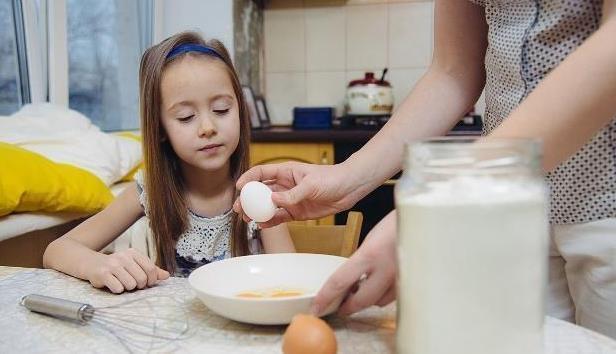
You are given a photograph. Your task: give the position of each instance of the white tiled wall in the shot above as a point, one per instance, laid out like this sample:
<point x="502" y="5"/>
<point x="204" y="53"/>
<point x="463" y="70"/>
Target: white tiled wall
<point x="313" y="48"/>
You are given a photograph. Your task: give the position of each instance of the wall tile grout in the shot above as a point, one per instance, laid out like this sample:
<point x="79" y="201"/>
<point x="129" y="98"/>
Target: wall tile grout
<point x="324" y="70"/>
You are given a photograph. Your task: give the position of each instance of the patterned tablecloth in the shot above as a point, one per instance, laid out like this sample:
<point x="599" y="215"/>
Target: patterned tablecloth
<point x="370" y="331"/>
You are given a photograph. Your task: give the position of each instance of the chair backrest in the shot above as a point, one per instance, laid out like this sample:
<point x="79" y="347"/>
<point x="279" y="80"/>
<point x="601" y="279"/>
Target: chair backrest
<point x="337" y="240"/>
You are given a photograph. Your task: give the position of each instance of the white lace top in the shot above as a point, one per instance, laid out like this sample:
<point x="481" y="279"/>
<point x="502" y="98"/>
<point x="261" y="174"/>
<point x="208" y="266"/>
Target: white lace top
<point x="207" y="239"/>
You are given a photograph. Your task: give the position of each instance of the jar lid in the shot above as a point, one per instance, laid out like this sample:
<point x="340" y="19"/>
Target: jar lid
<point x="369" y="79"/>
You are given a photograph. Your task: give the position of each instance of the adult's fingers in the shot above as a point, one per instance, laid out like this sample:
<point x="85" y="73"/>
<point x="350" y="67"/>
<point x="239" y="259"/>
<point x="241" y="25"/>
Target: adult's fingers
<point x="369" y="293"/>
<point x="125" y="278"/>
<point x="277" y="187"/>
<point x="237" y="207"/>
<point x="292" y="196"/>
<point x="281" y="216"/>
<point x="389" y="296"/>
<point x="259" y="173"/>
<point x="148" y="267"/>
<point x="339" y="283"/>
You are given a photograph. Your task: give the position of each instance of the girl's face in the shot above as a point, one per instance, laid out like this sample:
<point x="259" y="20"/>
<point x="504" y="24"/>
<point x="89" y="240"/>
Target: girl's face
<point x="200" y="112"/>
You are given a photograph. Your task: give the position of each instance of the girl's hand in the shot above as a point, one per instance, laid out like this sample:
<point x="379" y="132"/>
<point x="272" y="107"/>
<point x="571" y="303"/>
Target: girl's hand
<point x="125" y="270"/>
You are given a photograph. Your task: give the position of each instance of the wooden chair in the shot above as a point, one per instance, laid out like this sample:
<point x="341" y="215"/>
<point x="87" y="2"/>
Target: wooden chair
<point x="338" y="240"/>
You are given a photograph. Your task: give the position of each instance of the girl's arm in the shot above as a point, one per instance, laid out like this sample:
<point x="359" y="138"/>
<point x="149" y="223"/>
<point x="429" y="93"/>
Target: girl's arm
<point x="574" y="101"/>
<point x="277" y="240"/>
<point x="77" y="252"/>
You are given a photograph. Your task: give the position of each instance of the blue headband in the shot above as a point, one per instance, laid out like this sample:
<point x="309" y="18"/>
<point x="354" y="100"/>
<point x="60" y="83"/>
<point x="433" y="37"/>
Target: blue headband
<point x="188" y="47"/>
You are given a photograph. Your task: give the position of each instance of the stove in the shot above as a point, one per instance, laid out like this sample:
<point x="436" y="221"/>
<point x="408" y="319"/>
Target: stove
<point x="374" y="122"/>
<point x="471" y="122"/>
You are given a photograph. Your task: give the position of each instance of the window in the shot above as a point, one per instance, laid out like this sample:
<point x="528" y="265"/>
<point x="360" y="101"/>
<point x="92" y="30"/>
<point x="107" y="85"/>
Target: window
<point x="14" y="88"/>
<point x="105" y="41"/>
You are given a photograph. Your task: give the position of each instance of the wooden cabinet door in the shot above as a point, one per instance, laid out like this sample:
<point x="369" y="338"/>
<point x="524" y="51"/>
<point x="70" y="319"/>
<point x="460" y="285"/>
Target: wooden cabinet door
<point x="262" y="153"/>
<point x="315" y="153"/>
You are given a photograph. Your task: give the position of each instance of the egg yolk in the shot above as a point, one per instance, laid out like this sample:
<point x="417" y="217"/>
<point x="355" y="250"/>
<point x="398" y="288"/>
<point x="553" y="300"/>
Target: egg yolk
<point x="276" y="293"/>
<point x="285" y="293"/>
<point x="250" y="294"/>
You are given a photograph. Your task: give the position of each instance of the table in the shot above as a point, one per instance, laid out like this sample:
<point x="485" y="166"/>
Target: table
<point x="370" y="331"/>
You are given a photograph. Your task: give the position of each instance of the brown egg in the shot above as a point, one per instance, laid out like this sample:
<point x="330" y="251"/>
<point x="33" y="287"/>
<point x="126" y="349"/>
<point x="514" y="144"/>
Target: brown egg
<point x="308" y="334"/>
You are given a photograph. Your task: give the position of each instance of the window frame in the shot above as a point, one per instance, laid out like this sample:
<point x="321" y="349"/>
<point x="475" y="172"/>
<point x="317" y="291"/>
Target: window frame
<point x="35" y="32"/>
<point x="22" y="56"/>
<point x="17" y="37"/>
<point x="45" y="47"/>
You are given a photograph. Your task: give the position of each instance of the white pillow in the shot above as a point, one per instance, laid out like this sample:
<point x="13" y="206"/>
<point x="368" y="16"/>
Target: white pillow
<point x="46" y="118"/>
<point x="66" y="136"/>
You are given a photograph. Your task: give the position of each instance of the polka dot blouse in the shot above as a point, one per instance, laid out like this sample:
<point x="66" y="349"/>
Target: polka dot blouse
<point x="526" y="40"/>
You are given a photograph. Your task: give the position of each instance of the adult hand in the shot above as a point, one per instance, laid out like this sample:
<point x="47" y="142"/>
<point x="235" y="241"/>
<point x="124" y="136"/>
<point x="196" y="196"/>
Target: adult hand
<point x="124" y="270"/>
<point x="368" y="277"/>
<point x="303" y="191"/>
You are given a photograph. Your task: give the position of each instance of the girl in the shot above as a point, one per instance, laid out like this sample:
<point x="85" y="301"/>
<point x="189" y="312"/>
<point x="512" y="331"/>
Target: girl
<point x="195" y="140"/>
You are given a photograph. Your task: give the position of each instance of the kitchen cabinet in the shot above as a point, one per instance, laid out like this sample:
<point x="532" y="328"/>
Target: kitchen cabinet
<point x="315" y="153"/>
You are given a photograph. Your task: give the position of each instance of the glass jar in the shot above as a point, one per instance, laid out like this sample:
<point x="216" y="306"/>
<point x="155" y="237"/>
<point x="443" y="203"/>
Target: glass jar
<point x="473" y="236"/>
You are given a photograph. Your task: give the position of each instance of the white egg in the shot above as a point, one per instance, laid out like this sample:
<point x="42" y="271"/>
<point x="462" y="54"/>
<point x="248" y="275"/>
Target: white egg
<point x="256" y="199"/>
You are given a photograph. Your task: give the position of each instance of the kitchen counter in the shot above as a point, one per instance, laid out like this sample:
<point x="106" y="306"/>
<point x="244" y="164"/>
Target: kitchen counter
<point x="370" y="331"/>
<point x="288" y="134"/>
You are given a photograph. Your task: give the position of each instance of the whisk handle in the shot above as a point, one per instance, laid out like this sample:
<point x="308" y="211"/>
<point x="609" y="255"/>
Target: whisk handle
<point x="58" y="307"/>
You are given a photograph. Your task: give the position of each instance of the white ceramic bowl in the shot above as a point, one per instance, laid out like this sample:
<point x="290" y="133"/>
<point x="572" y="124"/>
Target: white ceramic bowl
<point x="217" y="285"/>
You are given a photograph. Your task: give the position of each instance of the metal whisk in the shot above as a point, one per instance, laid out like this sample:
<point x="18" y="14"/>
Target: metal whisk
<point x="142" y="324"/>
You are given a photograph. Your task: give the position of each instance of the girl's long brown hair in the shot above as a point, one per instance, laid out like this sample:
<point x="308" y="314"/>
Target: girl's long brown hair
<point x="163" y="182"/>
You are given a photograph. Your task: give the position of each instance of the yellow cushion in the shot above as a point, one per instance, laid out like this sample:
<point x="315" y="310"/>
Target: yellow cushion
<point x="130" y="176"/>
<point x="31" y="182"/>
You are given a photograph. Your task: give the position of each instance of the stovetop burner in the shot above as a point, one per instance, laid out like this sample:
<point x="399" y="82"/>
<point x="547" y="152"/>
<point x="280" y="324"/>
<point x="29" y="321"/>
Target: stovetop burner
<point x="472" y="122"/>
<point x="374" y="122"/>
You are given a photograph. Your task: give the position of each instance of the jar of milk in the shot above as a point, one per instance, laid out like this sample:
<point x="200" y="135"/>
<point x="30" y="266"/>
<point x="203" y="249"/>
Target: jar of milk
<point x="472" y="247"/>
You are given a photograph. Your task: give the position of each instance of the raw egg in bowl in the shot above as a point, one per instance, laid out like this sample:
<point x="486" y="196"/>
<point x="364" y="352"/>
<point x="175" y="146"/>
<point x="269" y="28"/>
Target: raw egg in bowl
<point x="264" y="289"/>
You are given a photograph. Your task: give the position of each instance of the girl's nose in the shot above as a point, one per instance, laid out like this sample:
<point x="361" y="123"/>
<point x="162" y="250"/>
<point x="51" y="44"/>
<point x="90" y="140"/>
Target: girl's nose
<point x="207" y="128"/>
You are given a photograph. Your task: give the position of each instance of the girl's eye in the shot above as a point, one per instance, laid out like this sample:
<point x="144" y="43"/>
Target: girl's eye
<point x="221" y="112"/>
<point x="186" y="119"/>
